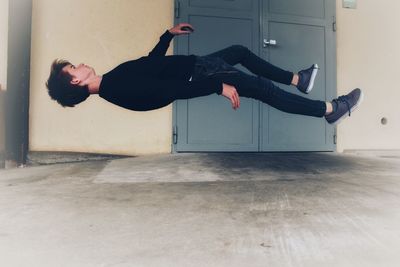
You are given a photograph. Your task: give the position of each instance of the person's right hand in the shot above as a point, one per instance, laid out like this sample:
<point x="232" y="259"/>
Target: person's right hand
<point x="176" y="30"/>
<point x="230" y="92"/>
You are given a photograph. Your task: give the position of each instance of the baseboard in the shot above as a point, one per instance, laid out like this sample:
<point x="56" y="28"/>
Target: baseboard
<point x="49" y="157"/>
<point x="374" y="152"/>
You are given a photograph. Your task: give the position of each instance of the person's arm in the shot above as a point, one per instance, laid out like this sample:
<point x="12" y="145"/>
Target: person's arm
<point x="179" y="89"/>
<point x="230" y="92"/>
<point x="182" y="89"/>
<point x="162" y="46"/>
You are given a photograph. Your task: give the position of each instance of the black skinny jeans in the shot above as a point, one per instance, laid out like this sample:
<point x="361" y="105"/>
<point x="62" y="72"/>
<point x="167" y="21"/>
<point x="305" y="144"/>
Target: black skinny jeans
<point x="219" y="65"/>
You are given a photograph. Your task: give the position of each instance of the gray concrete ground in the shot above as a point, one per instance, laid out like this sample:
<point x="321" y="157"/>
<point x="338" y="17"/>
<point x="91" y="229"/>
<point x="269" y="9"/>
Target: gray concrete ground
<point x="209" y="209"/>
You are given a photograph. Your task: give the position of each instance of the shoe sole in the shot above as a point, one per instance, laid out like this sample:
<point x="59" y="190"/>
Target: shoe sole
<point x="360" y="100"/>
<point x="313" y="75"/>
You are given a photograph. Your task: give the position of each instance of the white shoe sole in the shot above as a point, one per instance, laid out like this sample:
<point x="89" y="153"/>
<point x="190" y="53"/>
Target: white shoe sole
<point x="360" y="100"/>
<point x="312" y="79"/>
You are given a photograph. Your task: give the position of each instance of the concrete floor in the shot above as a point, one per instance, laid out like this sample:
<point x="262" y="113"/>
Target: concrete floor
<point x="209" y="209"/>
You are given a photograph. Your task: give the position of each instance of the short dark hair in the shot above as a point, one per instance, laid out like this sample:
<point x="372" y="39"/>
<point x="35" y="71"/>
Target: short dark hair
<point x="60" y="88"/>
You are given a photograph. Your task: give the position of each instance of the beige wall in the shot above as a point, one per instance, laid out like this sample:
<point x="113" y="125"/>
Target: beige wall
<point x="100" y="33"/>
<point x="104" y="33"/>
<point x="368" y="56"/>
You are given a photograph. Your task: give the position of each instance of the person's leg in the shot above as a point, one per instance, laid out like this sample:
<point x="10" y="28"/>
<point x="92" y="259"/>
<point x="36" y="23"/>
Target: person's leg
<point x="264" y="90"/>
<point x="238" y="54"/>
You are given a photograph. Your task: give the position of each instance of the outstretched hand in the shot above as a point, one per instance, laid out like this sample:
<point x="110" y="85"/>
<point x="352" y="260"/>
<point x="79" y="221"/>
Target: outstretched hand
<point x="176" y="30"/>
<point x="231" y="93"/>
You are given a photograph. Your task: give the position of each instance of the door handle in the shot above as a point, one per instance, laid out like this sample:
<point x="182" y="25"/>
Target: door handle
<point x="269" y="42"/>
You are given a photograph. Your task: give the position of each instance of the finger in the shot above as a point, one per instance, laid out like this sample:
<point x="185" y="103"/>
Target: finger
<point x="236" y="100"/>
<point x="187" y="24"/>
<point x="233" y="103"/>
<point x="184" y="31"/>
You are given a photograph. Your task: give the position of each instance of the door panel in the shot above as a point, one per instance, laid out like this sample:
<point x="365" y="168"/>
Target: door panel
<point x="288" y="131"/>
<point x="223" y="4"/>
<point x="300" y="42"/>
<point x="208" y="126"/>
<point x="209" y="123"/>
<point x="305" y="8"/>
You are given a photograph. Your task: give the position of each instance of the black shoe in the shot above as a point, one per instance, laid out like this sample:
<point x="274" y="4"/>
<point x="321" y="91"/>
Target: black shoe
<point x="306" y="79"/>
<point x="344" y="105"/>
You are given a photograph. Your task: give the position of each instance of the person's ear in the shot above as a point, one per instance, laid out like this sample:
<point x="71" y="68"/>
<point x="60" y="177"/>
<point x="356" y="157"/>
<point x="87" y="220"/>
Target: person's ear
<point x="75" y="81"/>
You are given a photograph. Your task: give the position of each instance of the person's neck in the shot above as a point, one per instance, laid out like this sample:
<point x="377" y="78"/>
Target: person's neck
<point x="94" y="84"/>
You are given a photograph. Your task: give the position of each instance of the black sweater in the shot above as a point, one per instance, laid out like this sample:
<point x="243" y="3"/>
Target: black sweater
<point x="155" y="81"/>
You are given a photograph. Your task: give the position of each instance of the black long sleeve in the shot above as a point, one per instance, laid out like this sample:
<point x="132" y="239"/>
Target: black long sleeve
<point x="155" y="81"/>
<point x="162" y="46"/>
<point x="154" y="94"/>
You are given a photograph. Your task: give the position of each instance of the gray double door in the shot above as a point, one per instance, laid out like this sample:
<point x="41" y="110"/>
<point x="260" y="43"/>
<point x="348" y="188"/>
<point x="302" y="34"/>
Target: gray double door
<point x="301" y="33"/>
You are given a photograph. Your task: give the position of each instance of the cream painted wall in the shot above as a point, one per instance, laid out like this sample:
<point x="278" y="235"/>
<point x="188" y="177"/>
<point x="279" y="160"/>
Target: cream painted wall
<point x="368" y="56"/>
<point x="3" y="42"/>
<point x="103" y="34"/>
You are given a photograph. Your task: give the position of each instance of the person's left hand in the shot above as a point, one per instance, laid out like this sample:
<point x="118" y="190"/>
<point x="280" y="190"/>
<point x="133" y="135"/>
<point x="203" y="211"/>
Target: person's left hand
<point x="231" y="93"/>
<point x="176" y="30"/>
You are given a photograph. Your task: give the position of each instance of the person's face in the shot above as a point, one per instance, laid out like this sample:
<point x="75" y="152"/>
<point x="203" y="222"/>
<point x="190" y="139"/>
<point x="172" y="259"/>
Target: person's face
<point x="80" y="74"/>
